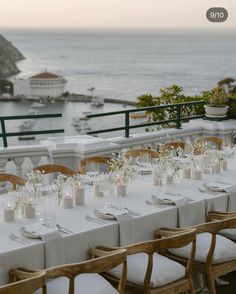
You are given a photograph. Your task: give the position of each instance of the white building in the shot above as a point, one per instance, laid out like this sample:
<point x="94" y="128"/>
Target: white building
<point x="44" y="84"/>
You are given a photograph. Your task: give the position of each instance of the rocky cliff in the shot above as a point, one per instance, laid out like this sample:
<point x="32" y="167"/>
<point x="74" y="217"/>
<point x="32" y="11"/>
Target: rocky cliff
<point x="9" y="55"/>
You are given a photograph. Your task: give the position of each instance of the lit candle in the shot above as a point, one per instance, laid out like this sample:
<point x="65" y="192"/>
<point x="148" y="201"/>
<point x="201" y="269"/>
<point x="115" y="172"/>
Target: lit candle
<point x="169" y="179"/>
<point x="157" y="181"/>
<point x="217" y="168"/>
<point x="197" y="174"/>
<point x="225" y="165"/>
<point x="187" y="173"/>
<point x="79" y="195"/>
<point x="96" y="190"/>
<point x="29" y="209"/>
<point x="121" y="189"/>
<point x="68" y="201"/>
<point x="9" y="213"/>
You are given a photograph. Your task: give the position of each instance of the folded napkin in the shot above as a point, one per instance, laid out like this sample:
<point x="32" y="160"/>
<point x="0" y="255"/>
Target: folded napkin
<point x="217" y="186"/>
<point x="127" y="229"/>
<point x="54" y="245"/>
<point x="168" y="199"/>
<point x="125" y="220"/>
<point x="232" y="198"/>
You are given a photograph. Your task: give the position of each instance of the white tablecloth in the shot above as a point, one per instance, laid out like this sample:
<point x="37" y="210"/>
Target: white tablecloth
<point x="87" y="234"/>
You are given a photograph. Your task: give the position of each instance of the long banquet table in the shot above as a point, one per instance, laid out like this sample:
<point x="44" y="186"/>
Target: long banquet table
<point x="88" y="234"/>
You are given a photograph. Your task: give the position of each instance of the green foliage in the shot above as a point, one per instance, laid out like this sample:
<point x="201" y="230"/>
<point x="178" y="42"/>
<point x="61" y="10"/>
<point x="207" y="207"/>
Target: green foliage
<point x="170" y="95"/>
<point x="217" y="97"/>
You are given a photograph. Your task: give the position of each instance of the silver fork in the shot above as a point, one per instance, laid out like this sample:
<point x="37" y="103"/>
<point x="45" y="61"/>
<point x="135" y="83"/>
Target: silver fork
<point x="95" y="220"/>
<point x="18" y="239"/>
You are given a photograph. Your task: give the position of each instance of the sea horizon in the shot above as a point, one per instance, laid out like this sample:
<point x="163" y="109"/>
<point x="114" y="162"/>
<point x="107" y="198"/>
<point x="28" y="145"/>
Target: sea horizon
<point x="123" y="63"/>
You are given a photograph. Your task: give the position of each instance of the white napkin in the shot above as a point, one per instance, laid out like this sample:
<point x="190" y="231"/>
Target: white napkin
<point x="54" y="245"/>
<point x="125" y="220"/>
<point x="168" y="199"/>
<point x="232" y="198"/>
<point x="127" y="229"/>
<point x="217" y="187"/>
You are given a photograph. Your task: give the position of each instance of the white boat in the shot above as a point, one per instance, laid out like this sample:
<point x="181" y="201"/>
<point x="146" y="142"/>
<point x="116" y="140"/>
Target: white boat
<point x="38" y="104"/>
<point x="97" y="101"/>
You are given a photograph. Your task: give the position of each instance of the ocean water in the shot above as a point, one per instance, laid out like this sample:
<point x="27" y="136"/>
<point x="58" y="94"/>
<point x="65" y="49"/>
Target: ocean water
<point x="127" y="63"/>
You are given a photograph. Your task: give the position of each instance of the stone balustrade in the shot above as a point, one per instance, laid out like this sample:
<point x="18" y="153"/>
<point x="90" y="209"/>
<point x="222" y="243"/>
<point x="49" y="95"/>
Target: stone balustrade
<point x="68" y="150"/>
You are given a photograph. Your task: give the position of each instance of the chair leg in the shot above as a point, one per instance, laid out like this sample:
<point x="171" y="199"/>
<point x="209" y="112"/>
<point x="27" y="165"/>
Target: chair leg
<point x="210" y="282"/>
<point x="191" y="290"/>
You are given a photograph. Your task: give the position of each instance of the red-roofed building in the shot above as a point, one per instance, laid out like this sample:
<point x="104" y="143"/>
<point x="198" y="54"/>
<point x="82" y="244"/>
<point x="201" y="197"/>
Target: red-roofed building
<point x="44" y="84"/>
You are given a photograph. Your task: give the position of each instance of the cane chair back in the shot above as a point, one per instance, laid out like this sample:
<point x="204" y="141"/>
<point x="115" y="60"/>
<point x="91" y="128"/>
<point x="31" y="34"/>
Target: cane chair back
<point x="54" y="168"/>
<point x="212" y="141"/>
<point x="14" y="180"/>
<point x="101" y="162"/>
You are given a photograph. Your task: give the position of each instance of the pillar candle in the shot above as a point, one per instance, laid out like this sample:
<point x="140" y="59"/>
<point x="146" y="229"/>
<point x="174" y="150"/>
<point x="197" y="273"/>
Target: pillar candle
<point x="157" y="181"/>
<point x="217" y="168"/>
<point x="29" y="210"/>
<point x="197" y="174"/>
<point x="9" y="214"/>
<point x="96" y="190"/>
<point x="225" y="165"/>
<point x="187" y="173"/>
<point x="169" y="179"/>
<point x="79" y="195"/>
<point x="68" y="201"/>
<point x="121" y="189"/>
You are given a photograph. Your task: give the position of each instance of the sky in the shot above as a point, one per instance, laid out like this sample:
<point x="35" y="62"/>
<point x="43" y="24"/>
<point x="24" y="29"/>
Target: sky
<point x="113" y="13"/>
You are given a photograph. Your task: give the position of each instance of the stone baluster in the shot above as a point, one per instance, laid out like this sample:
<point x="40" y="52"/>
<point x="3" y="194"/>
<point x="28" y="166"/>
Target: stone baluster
<point x="18" y="163"/>
<point x="35" y="160"/>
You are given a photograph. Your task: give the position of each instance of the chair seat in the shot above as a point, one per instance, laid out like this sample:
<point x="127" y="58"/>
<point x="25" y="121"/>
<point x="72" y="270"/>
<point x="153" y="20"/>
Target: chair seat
<point x="84" y="283"/>
<point x="164" y="270"/>
<point x="225" y="249"/>
<point x="229" y="233"/>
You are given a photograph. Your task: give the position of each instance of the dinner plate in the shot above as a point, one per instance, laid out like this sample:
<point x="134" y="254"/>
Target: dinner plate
<point x="35" y="230"/>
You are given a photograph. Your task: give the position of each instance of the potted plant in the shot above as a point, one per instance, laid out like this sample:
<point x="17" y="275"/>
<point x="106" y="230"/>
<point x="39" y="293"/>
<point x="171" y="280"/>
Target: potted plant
<point x="217" y="100"/>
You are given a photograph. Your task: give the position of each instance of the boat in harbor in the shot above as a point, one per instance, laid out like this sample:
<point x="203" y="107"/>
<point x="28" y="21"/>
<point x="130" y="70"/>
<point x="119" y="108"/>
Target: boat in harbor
<point x="97" y="101"/>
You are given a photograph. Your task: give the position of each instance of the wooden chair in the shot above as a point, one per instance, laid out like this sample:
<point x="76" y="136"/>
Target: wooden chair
<point x="101" y="161"/>
<point x="30" y="283"/>
<point x="55" y="168"/>
<point x="215" y="254"/>
<point x="215" y="141"/>
<point x="150" y="272"/>
<point x="14" y="180"/>
<point x="174" y="145"/>
<point x="75" y="274"/>
<point x="141" y="152"/>
<point x="219" y="215"/>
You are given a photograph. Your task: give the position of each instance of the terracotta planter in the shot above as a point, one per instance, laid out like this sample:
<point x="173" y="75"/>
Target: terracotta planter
<point x="217" y="112"/>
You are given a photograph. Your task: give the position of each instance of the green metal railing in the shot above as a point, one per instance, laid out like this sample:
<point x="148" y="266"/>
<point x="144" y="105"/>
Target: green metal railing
<point x="4" y="134"/>
<point x="177" y="120"/>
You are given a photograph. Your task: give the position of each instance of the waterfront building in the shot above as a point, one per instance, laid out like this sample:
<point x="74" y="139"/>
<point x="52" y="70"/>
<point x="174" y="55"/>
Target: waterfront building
<point x="41" y="85"/>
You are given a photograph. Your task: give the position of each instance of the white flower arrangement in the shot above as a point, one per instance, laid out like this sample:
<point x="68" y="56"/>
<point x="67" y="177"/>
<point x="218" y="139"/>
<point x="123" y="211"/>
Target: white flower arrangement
<point x="121" y="168"/>
<point x="59" y="182"/>
<point x="34" y="178"/>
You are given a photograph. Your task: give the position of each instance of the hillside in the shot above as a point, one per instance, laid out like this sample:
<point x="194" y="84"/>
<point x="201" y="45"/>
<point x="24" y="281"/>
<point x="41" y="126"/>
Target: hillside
<point x="9" y="55"/>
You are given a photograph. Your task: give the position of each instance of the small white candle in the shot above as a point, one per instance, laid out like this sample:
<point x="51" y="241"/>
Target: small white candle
<point x="169" y="179"/>
<point x="225" y="165"/>
<point x="121" y="189"/>
<point x="96" y="190"/>
<point x="29" y="210"/>
<point x="197" y="174"/>
<point x="68" y="201"/>
<point x="157" y="181"/>
<point x="206" y="170"/>
<point x="79" y="195"/>
<point x="217" y="168"/>
<point x="187" y="173"/>
<point x="9" y="214"/>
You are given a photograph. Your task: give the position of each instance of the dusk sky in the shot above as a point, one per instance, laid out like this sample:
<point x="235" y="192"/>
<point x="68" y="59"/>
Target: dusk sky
<point x="113" y="13"/>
